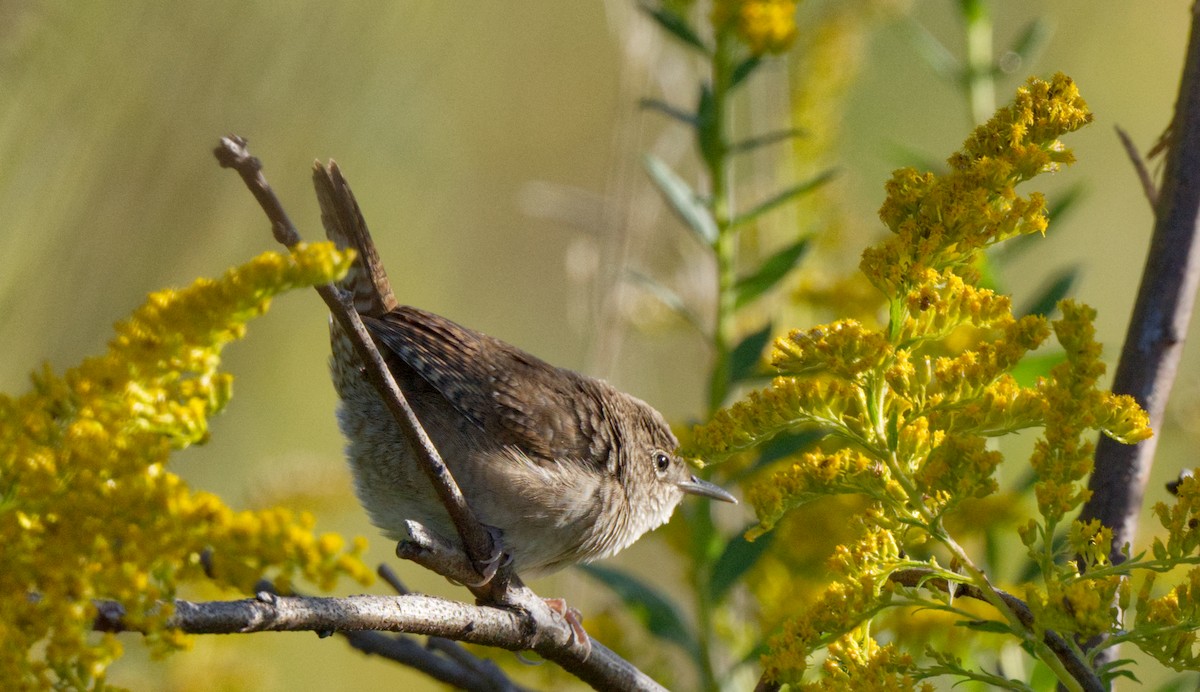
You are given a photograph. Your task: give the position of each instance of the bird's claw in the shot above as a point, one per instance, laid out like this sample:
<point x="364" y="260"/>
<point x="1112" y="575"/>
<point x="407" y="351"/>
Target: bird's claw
<point x="574" y="619"/>
<point x="487" y="568"/>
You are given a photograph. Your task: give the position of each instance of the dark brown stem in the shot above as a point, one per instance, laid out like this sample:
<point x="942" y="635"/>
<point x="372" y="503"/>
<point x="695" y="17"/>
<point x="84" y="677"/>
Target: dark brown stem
<point x="1154" y="341"/>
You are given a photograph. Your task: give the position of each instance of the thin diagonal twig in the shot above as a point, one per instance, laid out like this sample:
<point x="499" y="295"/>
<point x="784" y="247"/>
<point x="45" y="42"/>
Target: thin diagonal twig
<point x="538" y="627"/>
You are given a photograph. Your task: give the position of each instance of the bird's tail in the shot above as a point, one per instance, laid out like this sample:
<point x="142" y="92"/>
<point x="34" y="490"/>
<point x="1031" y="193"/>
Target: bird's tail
<point x="366" y="281"/>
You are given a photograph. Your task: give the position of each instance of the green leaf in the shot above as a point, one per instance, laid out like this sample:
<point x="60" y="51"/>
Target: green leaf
<point x="763" y="140"/>
<point x="1045" y="302"/>
<point x="682" y="199"/>
<point x="1031" y="368"/>
<point x="985" y="626"/>
<point x="675" y="25"/>
<point x="901" y="155"/>
<point x="708" y="132"/>
<point x="743" y="70"/>
<point x="1118" y="669"/>
<point x="782" y="445"/>
<point x="1066" y="202"/>
<point x="784" y="197"/>
<point x="937" y="56"/>
<point x="737" y="558"/>
<point x="769" y="274"/>
<point x="669" y="110"/>
<point x="659" y="615"/>
<point x="1031" y="39"/>
<point x="745" y="357"/>
<point x="988" y="278"/>
<point x="667" y="297"/>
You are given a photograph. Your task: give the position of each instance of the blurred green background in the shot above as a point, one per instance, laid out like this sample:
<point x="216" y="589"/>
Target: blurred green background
<point x="494" y="148"/>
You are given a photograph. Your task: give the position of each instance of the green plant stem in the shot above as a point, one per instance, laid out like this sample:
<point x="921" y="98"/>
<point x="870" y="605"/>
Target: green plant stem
<point x="704" y="535"/>
<point x="1044" y="654"/>
<point x="935" y="529"/>
<point x="979" y="80"/>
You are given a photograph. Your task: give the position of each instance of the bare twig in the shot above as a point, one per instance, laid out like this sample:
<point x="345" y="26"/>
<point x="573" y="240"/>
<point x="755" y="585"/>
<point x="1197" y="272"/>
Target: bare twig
<point x="413" y="614"/>
<point x="1139" y="166"/>
<point x="443" y="659"/>
<point x="232" y="153"/>
<point x="406" y="651"/>
<point x="524" y="621"/>
<point x="449" y="647"/>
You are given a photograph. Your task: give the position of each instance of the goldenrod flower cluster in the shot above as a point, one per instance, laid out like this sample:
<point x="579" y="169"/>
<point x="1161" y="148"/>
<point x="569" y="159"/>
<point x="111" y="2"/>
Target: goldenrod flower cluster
<point x="88" y="510"/>
<point x="908" y="410"/>
<point x="765" y="26"/>
<point x="942" y="221"/>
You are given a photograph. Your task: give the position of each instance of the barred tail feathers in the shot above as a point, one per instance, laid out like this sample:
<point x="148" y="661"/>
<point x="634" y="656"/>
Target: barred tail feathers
<point x="344" y="225"/>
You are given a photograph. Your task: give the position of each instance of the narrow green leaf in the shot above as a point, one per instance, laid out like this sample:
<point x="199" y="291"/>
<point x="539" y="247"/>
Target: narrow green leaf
<point x="1066" y="202"/>
<point x="667" y="297"/>
<point x="669" y="110"/>
<point x="708" y="132"/>
<point x="988" y="278"/>
<point x="682" y="199"/>
<point x="737" y="558"/>
<point x="1045" y="302"/>
<point x="763" y="140"/>
<point x="675" y="25"/>
<point x="784" y="197"/>
<point x="768" y="275"/>
<point x="743" y="70"/>
<point x="658" y="614"/>
<point x="1123" y="673"/>
<point x="937" y="56"/>
<point x="985" y="626"/>
<point x="1027" y="372"/>
<point x="745" y="357"/>
<point x="1031" y="39"/>
<point x="901" y="155"/>
<point x="781" y="446"/>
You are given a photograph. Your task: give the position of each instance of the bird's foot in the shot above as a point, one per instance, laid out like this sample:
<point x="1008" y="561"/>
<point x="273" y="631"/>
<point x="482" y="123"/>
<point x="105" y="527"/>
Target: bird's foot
<point x="574" y="619"/>
<point x="487" y="568"/>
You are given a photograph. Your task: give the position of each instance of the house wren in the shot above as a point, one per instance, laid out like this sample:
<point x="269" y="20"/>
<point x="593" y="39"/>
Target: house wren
<point x="564" y="466"/>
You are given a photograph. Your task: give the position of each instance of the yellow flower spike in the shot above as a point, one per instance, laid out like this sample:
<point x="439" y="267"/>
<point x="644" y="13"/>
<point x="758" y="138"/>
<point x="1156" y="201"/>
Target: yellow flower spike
<point x="789" y="403"/>
<point x="133" y="530"/>
<point x="863" y="570"/>
<point x="814" y="475"/>
<point x="941" y="222"/>
<point x="1074" y="406"/>
<point x="844" y="349"/>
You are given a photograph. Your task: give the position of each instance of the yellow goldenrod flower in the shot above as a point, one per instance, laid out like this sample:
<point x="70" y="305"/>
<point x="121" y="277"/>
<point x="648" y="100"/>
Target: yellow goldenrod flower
<point x="940" y="222"/>
<point x="87" y="508"/>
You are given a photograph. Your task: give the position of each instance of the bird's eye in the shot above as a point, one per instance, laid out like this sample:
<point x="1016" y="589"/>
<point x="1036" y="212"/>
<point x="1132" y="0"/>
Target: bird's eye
<point x="662" y="462"/>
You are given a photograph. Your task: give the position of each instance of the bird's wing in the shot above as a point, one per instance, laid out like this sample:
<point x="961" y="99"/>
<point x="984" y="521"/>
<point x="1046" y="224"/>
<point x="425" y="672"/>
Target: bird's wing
<point x="514" y="396"/>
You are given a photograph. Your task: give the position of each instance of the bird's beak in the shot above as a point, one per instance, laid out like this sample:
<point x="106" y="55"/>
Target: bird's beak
<point x="695" y="486"/>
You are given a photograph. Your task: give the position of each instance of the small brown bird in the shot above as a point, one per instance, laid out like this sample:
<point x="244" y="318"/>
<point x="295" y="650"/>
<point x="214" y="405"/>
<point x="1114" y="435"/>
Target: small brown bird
<point x="565" y="467"/>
